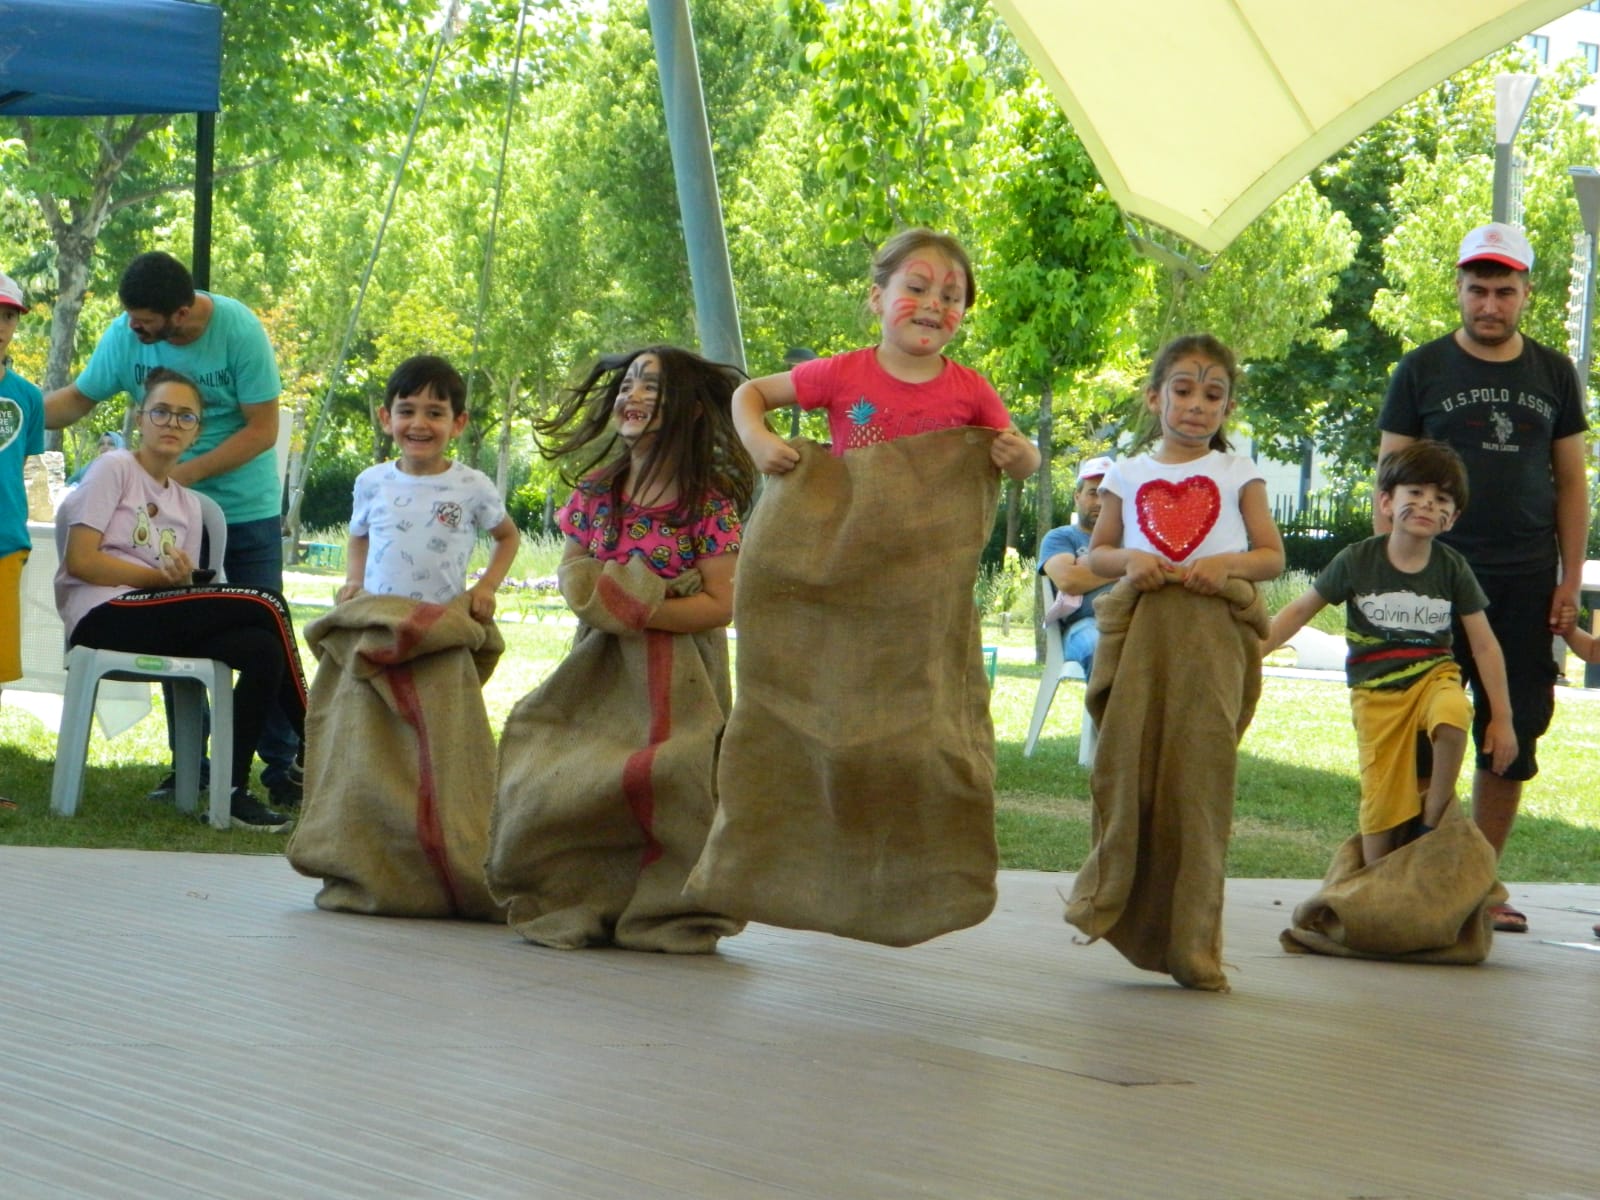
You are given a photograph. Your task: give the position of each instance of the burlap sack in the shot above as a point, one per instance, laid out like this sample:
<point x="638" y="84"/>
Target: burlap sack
<point x="1427" y="901"/>
<point x="1176" y="680"/>
<point x="399" y="760"/>
<point x="856" y="790"/>
<point x="607" y="773"/>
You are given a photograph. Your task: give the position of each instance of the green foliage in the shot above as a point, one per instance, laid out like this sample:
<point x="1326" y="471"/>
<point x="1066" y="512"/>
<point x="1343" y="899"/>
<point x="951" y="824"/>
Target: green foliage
<point x="1314" y="534"/>
<point x="899" y="104"/>
<point x="329" y="490"/>
<point x="1006" y="589"/>
<point x="1447" y="185"/>
<point x="1291" y="585"/>
<point x="1058" y="271"/>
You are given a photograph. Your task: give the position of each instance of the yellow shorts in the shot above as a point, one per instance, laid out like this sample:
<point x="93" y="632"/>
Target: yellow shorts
<point x="1387" y="723"/>
<point x="11" y="615"/>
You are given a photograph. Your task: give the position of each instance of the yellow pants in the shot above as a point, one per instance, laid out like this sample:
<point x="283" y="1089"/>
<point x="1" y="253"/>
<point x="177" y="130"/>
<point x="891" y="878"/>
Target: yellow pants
<point x="11" y="615"/>
<point x="1387" y="723"/>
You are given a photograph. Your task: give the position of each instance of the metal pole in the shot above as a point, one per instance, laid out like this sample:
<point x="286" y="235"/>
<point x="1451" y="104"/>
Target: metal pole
<point x="1511" y="96"/>
<point x="699" y="206"/>
<point x="205" y="154"/>
<point x="1586" y="183"/>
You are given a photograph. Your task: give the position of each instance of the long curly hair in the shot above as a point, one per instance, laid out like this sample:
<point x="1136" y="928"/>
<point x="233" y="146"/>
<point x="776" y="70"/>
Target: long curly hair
<point x="696" y="447"/>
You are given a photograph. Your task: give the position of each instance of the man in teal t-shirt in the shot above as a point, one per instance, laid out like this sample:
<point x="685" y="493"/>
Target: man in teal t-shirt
<point x="218" y="343"/>
<point x="221" y="345"/>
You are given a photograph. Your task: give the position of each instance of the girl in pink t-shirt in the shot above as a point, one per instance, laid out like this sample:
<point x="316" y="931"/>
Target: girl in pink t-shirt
<point x="922" y="287"/>
<point x="607" y="782"/>
<point x="127" y="581"/>
<point x="661" y="475"/>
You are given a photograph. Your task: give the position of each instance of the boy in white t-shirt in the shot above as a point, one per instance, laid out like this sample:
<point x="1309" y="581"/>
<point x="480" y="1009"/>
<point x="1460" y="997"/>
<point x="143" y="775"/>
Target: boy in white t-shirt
<point x="415" y="520"/>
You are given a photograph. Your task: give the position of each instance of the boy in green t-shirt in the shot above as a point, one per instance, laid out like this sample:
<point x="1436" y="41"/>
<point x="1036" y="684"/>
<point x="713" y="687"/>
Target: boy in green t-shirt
<point x="1402" y="592"/>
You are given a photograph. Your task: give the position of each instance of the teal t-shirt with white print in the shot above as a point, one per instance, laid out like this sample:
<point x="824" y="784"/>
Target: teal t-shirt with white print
<point x="21" y="434"/>
<point x="233" y="363"/>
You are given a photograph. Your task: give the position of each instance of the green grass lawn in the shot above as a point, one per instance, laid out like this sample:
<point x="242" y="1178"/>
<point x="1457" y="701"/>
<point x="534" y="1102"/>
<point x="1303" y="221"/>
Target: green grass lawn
<point x="1297" y="781"/>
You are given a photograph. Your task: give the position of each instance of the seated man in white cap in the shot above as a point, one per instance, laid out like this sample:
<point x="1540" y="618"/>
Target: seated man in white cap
<point x="1077" y="587"/>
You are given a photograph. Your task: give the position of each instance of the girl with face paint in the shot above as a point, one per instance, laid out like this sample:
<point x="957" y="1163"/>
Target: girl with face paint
<point x="922" y="287"/>
<point x="1177" y="670"/>
<point x="607" y="769"/>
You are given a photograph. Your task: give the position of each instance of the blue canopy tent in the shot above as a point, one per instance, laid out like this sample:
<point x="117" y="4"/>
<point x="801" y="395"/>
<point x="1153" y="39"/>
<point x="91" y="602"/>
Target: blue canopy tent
<point x="80" y="58"/>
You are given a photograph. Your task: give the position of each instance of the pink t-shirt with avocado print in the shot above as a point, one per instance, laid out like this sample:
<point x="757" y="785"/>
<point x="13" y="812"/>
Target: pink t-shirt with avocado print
<point x="866" y="404"/>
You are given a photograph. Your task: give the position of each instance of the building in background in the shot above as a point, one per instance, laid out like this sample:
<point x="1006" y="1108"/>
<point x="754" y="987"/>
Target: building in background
<point x="1576" y="35"/>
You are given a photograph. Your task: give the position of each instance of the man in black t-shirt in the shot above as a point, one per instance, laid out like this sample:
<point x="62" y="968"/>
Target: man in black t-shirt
<point x="1513" y="409"/>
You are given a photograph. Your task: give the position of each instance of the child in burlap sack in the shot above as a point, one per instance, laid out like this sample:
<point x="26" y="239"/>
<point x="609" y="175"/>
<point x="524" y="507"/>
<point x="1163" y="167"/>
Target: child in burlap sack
<point x="1187" y="528"/>
<point x="857" y="780"/>
<point x="400" y="776"/>
<point x="415" y="521"/>
<point x="607" y="770"/>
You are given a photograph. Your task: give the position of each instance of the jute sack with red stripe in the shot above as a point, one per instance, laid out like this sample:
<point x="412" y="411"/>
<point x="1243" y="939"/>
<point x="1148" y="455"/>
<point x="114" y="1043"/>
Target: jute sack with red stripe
<point x="856" y="788"/>
<point x="399" y="760"/>
<point x="607" y="773"/>
<point x="1427" y="901"/>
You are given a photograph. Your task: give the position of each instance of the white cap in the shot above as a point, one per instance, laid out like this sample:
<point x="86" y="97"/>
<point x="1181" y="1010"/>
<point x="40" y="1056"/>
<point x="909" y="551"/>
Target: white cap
<point x="1498" y="242"/>
<point x="1093" y="468"/>
<point x="11" y="294"/>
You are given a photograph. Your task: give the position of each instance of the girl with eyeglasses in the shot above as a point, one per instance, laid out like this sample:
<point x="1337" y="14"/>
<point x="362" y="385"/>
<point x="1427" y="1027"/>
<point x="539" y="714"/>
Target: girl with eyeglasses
<point x="128" y="581"/>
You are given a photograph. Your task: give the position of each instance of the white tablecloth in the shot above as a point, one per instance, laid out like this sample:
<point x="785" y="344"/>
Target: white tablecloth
<point x="120" y="705"/>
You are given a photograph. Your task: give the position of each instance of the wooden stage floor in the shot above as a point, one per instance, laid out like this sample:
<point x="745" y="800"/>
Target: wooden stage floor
<point x="181" y="1025"/>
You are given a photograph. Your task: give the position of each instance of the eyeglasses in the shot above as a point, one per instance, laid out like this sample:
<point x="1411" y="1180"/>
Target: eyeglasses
<point x="166" y="416"/>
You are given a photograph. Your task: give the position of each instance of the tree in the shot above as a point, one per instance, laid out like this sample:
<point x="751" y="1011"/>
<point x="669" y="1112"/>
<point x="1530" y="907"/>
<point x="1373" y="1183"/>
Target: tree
<point x="81" y="172"/>
<point x="1411" y="186"/>
<point x="1058" y="269"/>
<point x="1447" y="189"/>
<point x="897" y="102"/>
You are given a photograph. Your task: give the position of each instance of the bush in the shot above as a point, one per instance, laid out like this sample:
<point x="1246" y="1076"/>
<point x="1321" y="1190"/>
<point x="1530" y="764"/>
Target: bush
<point x="328" y="492"/>
<point x="1005" y="591"/>
<point x="1312" y="536"/>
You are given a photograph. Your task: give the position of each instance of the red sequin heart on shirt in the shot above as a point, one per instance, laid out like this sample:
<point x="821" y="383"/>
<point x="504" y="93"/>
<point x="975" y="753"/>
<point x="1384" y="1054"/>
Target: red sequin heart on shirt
<point x="1177" y="516"/>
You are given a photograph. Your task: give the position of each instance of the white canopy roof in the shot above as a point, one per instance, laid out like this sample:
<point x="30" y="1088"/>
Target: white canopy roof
<point x="1200" y="113"/>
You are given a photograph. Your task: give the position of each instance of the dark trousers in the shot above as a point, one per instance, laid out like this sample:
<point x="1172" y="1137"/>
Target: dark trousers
<point x="247" y="628"/>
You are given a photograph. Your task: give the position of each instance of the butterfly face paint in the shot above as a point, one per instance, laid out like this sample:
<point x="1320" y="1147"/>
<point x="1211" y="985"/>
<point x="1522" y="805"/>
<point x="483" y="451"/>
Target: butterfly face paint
<point x="922" y="304"/>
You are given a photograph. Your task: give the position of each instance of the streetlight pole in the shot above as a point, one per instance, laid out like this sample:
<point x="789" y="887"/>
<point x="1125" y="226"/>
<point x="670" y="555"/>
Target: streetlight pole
<point x="1580" y="307"/>
<point x="1511" y="96"/>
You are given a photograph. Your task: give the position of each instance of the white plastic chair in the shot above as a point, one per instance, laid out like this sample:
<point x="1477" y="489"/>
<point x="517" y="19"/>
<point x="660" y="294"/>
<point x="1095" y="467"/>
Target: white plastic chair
<point x="192" y="678"/>
<point x="1056" y="668"/>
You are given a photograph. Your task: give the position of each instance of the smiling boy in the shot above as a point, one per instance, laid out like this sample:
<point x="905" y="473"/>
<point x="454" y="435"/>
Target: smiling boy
<point x="1402" y="592"/>
<point x="416" y="520"/>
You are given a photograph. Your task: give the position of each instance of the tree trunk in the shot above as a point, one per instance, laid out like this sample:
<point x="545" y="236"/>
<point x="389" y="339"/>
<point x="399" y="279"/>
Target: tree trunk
<point x="502" y="471"/>
<point x="75" y="242"/>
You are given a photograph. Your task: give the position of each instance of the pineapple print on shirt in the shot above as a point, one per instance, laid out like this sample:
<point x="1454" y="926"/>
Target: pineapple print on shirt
<point x="862" y="431"/>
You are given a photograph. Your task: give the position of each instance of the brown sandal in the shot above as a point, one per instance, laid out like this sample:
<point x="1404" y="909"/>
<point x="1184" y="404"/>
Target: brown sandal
<point x="1507" y="919"/>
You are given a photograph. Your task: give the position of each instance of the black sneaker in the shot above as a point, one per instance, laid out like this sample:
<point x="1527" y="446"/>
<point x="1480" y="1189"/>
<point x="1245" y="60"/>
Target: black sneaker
<point x="166" y="792"/>
<point x="285" y="794"/>
<point x="250" y="813"/>
<point x="288" y="791"/>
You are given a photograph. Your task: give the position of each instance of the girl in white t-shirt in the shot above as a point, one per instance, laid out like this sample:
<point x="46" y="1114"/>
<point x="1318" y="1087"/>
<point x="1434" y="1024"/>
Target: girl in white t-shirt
<point x="1177" y="672"/>
<point x="1187" y="510"/>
